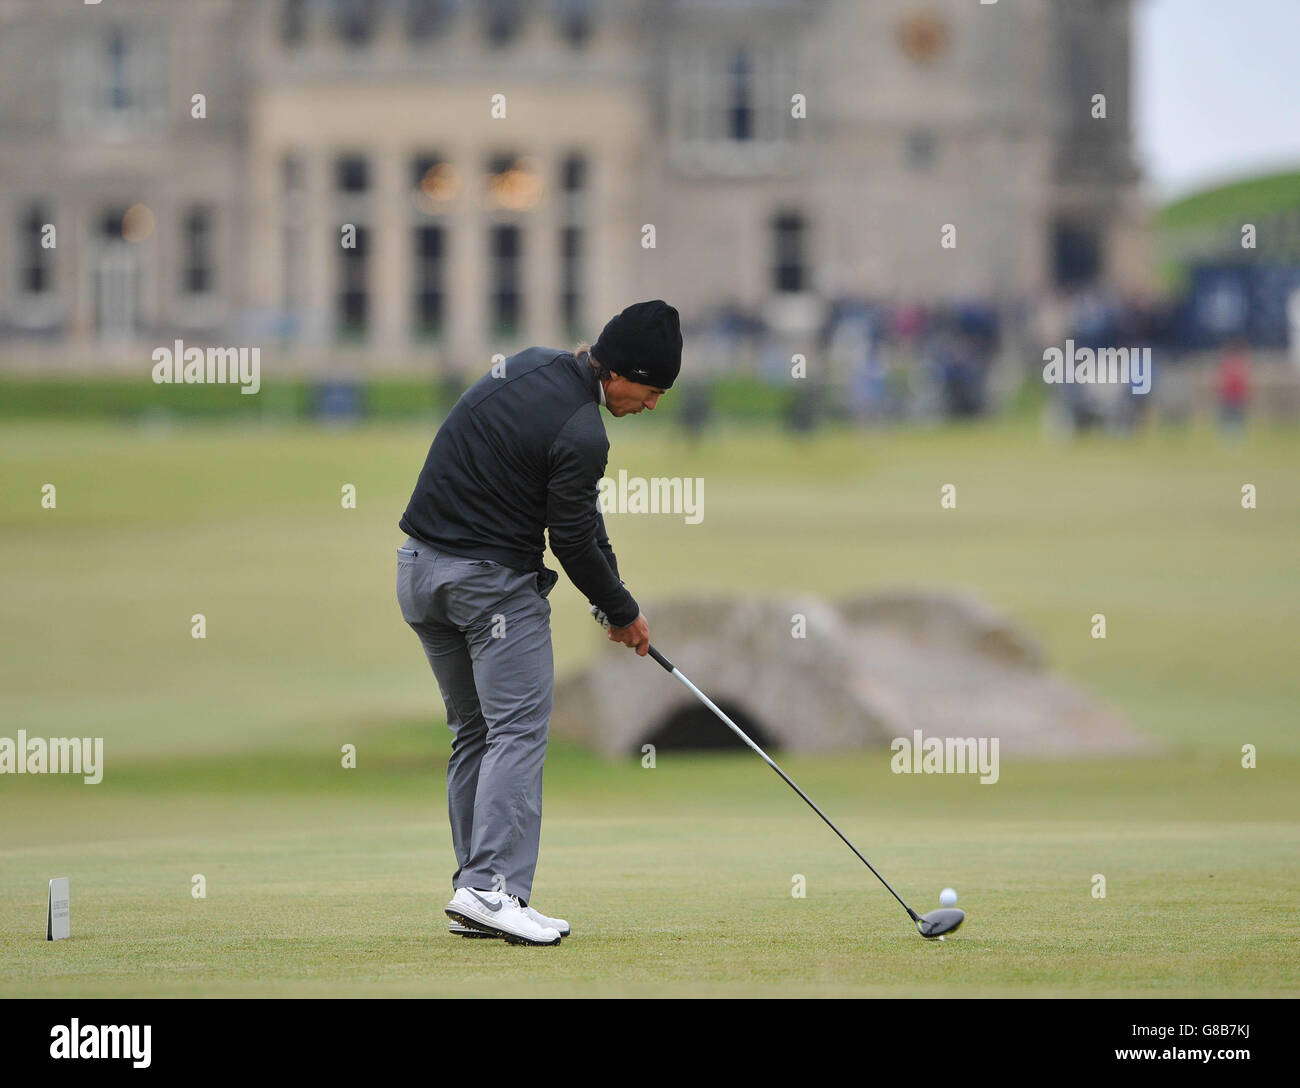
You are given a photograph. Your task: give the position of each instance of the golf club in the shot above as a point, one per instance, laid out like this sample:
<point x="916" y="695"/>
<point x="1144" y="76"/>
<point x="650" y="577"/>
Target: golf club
<point x="932" y="925"/>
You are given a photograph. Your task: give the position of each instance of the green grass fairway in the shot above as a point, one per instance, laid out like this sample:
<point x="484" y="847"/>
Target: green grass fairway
<point x="677" y="880"/>
<point x="222" y="754"/>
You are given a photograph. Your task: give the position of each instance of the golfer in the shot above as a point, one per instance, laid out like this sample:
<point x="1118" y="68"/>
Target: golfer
<point x="522" y="452"/>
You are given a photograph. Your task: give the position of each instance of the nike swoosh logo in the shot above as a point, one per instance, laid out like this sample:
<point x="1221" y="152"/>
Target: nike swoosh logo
<point x="490" y="906"/>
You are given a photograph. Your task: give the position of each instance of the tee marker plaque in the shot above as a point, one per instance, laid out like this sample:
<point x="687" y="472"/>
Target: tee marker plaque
<point x="57" y="921"/>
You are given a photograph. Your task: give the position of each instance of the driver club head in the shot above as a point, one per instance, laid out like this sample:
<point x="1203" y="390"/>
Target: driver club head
<point x="938" y="922"/>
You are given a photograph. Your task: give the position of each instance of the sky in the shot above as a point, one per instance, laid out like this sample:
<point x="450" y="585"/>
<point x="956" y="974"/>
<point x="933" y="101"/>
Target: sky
<point x="1217" y="86"/>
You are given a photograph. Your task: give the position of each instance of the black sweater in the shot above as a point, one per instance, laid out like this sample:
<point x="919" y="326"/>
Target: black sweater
<point x="518" y="454"/>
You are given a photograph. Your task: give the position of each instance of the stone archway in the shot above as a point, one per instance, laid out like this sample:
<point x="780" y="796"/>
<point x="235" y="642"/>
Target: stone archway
<point x="694" y="727"/>
<point x="808" y="676"/>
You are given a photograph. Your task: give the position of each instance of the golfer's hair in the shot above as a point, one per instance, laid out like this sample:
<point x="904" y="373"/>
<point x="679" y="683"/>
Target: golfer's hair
<point x="583" y="354"/>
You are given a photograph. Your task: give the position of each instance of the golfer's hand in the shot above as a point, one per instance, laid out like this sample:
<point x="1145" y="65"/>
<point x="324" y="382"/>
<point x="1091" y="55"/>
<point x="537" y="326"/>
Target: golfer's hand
<point x="636" y="634"/>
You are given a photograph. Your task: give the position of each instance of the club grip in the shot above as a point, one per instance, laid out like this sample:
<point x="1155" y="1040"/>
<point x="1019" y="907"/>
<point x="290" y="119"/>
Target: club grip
<point x="668" y="665"/>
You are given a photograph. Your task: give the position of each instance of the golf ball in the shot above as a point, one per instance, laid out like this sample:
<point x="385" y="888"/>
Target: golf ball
<point x="947" y="898"/>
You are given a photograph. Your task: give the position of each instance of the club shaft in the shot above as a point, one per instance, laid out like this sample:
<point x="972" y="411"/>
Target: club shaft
<point x="670" y="667"/>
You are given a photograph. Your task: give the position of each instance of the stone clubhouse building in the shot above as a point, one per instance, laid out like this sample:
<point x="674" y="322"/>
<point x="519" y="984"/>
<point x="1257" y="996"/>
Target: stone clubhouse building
<point x="401" y="184"/>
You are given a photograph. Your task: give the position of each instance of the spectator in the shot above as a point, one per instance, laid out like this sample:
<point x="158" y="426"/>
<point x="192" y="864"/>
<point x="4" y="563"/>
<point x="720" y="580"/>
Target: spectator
<point x="1233" y="386"/>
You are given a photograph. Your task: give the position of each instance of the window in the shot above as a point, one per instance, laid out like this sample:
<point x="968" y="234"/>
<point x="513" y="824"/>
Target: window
<point x="921" y="148"/>
<point x="434" y="184"/>
<point x="120" y="93"/>
<point x="429" y="18"/>
<point x="353" y="314"/>
<point x="728" y="106"/>
<point x="292" y="256"/>
<point x="351" y="174"/>
<point x="352" y="183"/>
<point x="1076" y="253"/>
<point x="197" y="273"/>
<point x="110" y="223"/>
<point x="36" y="263"/>
<point x="117" y="81"/>
<point x="573" y="174"/>
<point x="573" y="184"/>
<point x="291" y="175"/>
<point x="430" y="269"/>
<point x="740" y="113"/>
<point x="571" y="239"/>
<point x="512" y="183"/>
<point x="293" y="22"/>
<point x="505" y="303"/>
<point x="423" y="168"/>
<point x="116" y="274"/>
<point x="789" y="265"/>
<point x="355" y="20"/>
<point x="502" y="19"/>
<point x="575" y="21"/>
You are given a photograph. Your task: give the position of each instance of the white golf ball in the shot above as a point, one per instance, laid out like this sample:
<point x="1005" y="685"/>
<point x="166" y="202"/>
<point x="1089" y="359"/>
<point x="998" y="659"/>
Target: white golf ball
<point x="947" y="898"/>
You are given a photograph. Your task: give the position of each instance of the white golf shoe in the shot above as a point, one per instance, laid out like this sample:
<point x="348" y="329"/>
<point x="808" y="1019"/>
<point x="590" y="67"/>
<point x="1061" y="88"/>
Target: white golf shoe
<point x="558" y="924"/>
<point x="457" y="929"/>
<point x="500" y="915"/>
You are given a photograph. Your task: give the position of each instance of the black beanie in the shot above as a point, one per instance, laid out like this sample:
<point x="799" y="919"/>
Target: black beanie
<point x="643" y="344"/>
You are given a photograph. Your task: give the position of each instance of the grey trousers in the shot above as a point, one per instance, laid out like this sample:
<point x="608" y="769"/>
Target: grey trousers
<point x="486" y="630"/>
